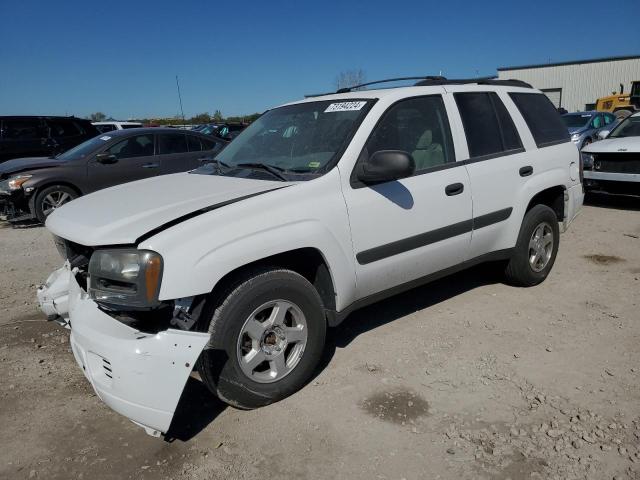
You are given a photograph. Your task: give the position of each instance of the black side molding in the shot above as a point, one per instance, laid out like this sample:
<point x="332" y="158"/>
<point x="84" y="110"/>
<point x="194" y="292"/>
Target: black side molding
<point x="423" y="239"/>
<point x="335" y="318"/>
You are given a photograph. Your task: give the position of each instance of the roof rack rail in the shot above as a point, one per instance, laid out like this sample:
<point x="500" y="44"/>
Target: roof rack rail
<point x="427" y="77"/>
<point x="478" y="81"/>
<point x="431" y="80"/>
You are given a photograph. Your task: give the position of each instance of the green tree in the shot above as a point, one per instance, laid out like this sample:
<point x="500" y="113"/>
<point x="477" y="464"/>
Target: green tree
<point x="200" y="118"/>
<point x="217" y="116"/>
<point x="97" y="117"/>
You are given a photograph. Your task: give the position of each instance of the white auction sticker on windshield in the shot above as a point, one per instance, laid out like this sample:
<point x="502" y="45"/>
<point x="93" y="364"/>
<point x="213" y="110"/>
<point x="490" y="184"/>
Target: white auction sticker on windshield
<point x="345" y="106"/>
<point x="105" y="138"/>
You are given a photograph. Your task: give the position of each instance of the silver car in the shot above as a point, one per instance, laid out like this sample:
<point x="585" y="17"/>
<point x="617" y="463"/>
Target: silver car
<point x="584" y="126"/>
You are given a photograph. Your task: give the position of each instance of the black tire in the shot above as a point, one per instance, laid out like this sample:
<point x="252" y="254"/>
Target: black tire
<point x="40" y="201"/>
<point x="224" y="317"/>
<point x="519" y="271"/>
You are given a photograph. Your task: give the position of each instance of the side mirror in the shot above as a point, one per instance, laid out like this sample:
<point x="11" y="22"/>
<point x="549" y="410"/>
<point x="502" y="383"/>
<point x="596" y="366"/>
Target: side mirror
<point x="602" y="134"/>
<point x="106" y="158"/>
<point x="385" y="166"/>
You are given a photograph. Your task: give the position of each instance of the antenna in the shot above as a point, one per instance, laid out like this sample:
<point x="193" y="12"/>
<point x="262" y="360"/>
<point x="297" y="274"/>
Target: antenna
<point x="184" y="123"/>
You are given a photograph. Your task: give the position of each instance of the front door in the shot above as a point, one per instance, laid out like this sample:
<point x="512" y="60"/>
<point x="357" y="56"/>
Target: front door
<point x="406" y="229"/>
<point x="133" y="159"/>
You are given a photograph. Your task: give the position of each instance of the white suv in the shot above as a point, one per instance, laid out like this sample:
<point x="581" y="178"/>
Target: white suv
<point x="319" y="207"/>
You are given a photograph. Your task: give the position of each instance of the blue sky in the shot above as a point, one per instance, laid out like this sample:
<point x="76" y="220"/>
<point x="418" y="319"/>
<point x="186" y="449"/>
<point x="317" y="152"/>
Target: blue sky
<point x="121" y="58"/>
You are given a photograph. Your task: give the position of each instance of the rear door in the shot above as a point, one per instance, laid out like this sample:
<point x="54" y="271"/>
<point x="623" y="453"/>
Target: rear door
<point x="22" y="137"/>
<point x="133" y="159"/>
<point x="178" y="152"/>
<point x="498" y="166"/>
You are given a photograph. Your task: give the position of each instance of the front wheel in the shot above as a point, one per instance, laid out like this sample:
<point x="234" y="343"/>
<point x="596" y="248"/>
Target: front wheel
<point x="536" y="248"/>
<point x="267" y="336"/>
<point x="50" y="198"/>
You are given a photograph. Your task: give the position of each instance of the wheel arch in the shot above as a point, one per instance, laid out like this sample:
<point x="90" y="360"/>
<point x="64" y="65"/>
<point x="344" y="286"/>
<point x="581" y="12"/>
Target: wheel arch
<point x="307" y="261"/>
<point x="553" y="197"/>
<point x="50" y="183"/>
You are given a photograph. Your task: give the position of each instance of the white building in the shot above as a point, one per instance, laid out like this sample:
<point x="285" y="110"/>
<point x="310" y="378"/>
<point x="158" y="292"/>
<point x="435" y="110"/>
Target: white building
<point x="575" y="86"/>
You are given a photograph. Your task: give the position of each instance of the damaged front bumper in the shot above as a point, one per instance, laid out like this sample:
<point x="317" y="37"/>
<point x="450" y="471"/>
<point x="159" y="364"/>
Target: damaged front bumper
<point x="139" y="375"/>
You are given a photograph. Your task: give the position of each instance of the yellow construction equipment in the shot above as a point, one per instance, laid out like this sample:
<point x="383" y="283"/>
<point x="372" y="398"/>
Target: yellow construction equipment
<point x="621" y="104"/>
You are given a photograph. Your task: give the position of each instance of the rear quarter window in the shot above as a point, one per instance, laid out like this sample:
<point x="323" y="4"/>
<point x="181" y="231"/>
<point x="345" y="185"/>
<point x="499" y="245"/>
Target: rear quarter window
<point x="542" y="118"/>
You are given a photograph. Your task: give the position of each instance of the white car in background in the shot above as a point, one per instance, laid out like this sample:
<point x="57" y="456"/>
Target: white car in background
<point x="613" y="164"/>
<point x="104" y="127"/>
<point x="318" y="208"/>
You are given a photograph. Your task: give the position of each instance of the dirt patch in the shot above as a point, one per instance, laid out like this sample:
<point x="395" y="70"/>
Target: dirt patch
<point x="399" y="406"/>
<point x="604" y="259"/>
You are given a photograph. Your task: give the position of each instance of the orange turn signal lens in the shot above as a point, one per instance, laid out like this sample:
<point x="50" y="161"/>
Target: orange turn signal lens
<point x="152" y="276"/>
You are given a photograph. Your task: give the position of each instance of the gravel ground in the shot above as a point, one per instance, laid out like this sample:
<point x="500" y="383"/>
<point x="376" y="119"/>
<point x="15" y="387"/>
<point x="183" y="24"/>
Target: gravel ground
<point x="463" y="378"/>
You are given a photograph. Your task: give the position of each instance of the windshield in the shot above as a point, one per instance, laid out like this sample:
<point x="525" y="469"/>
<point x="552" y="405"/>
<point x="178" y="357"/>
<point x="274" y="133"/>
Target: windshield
<point x="301" y="138"/>
<point x="576" y="120"/>
<point x="85" y="148"/>
<point x="629" y="127"/>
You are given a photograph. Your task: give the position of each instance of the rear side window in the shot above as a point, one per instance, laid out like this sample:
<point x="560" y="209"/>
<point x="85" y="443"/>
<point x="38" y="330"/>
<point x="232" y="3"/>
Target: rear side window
<point x="64" y="128"/>
<point x="21" y="129"/>
<point x="487" y="124"/>
<point x="541" y="116"/>
<point x="208" y="144"/>
<point x="172" y="143"/>
<point x="194" y="143"/>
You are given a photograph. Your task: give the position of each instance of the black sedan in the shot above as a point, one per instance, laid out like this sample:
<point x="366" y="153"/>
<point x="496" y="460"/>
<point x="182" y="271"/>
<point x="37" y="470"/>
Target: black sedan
<point x="31" y="188"/>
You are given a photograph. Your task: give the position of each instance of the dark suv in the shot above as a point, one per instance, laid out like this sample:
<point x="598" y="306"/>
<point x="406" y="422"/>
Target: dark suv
<point x="41" y="136"/>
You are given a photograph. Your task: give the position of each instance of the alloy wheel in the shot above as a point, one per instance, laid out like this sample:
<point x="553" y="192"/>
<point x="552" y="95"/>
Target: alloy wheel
<point x="272" y="341"/>
<point x="540" y="247"/>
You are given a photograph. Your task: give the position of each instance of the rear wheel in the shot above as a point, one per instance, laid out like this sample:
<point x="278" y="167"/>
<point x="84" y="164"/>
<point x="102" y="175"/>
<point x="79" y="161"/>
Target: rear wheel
<point x="49" y="199"/>
<point x="267" y="337"/>
<point x="536" y="249"/>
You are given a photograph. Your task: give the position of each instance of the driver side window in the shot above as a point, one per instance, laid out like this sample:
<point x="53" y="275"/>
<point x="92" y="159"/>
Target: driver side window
<point x="138" y="146"/>
<point x="418" y="126"/>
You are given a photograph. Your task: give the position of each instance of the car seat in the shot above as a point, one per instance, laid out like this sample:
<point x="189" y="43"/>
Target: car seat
<point x="427" y="154"/>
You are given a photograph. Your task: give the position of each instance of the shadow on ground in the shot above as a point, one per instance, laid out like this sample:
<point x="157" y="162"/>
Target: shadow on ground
<point x="617" y="202"/>
<point x="198" y="407"/>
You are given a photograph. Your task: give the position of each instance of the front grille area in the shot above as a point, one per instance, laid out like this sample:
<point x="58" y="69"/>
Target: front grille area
<point x="78" y="255"/>
<point x="617" y="162"/>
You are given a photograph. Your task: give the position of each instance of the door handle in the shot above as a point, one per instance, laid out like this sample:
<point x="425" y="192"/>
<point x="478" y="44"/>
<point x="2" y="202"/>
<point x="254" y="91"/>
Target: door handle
<point x="526" y="171"/>
<point x="150" y="165"/>
<point x="454" y="189"/>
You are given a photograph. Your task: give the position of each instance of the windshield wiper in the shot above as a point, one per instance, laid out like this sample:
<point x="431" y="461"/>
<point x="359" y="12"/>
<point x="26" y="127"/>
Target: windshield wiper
<point x="272" y="169"/>
<point x="215" y="161"/>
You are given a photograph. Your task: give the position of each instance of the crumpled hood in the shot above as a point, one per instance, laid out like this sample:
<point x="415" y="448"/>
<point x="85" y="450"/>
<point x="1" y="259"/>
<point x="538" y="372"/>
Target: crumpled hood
<point x="614" y="145"/>
<point x="122" y="214"/>
<point x="17" y="165"/>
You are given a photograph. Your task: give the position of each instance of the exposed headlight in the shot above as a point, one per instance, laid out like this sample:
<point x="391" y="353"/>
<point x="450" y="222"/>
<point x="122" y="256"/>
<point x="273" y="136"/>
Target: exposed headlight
<point x="125" y="278"/>
<point x="14" y="183"/>
<point x="587" y="161"/>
